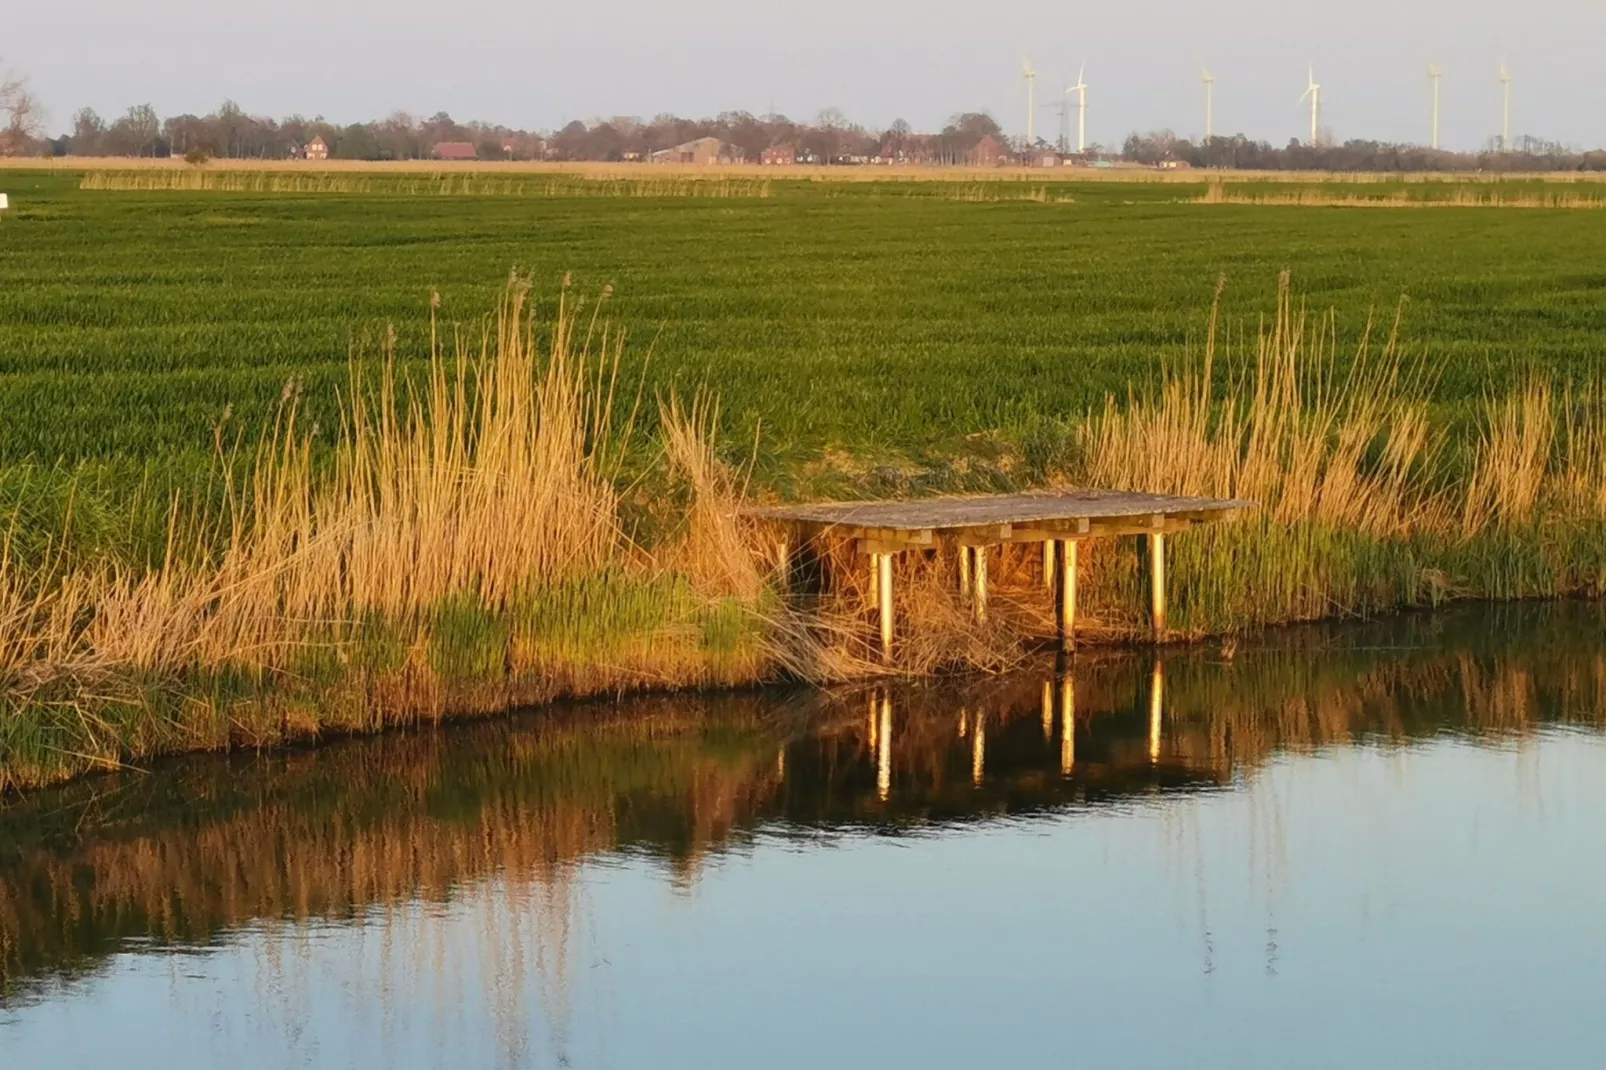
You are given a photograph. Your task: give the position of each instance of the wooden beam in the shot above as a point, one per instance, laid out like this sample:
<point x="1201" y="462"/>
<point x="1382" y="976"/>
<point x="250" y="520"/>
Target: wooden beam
<point x="1096" y="529"/>
<point x="875" y="580"/>
<point x="884" y="582"/>
<point x="1067" y="599"/>
<point x="880" y="546"/>
<point x="911" y="537"/>
<point x="964" y="572"/>
<point x="983" y="534"/>
<point x="1048" y="564"/>
<point x="1157" y="585"/>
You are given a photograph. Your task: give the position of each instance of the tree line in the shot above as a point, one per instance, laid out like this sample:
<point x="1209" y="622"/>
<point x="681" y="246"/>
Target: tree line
<point x="1525" y="154"/>
<point x="229" y="132"/>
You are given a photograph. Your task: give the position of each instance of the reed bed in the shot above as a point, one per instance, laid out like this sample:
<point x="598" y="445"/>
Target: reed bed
<point x="463" y="545"/>
<point x="459" y="547"/>
<point x="1418" y="195"/>
<point x="1365" y="504"/>
<point x="436" y="184"/>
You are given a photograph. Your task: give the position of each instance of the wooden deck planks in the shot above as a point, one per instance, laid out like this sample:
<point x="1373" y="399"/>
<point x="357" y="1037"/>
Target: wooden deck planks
<point x="866" y="519"/>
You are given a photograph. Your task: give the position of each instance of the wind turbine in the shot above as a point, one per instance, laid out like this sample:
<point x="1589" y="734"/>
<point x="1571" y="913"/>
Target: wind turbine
<point x="1314" y="92"/>
<point x="1030" y="75"/>
<point x="1505" y="119"/>
<point x="1434" y="74"/>
<point x="1080" y="89"/>
<point x="1210" y="103"/>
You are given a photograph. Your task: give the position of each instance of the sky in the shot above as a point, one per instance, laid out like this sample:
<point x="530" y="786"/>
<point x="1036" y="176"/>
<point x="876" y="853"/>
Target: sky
<point x="537" y="64"/>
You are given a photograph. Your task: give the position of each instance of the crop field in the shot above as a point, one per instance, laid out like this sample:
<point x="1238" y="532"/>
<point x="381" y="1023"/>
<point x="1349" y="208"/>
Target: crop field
<point x="890" y="322"/>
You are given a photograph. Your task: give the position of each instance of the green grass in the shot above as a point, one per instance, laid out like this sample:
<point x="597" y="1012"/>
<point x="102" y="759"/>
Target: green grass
<point x="880" y="319"/>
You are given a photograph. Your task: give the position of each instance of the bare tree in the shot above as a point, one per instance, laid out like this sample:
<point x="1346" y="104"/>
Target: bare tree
<point x="23" y="117"/>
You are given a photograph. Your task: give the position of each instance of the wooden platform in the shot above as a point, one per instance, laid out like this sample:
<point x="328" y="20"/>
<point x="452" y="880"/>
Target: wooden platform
<point x="1058" y="520"/>
<point x="1066" y="514"/>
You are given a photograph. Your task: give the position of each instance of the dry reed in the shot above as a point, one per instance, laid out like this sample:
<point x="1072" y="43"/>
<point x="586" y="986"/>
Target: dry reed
<point x="1418" y="195"/>
<point x="414" y="184"/>
<point x="460" y="546"/>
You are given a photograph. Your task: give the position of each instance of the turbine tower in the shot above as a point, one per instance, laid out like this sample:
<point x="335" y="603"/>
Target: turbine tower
<point x="1434" y="74"/>
<point x="1505" y="117"/>
<point x="1314" y="91"/>
<point x="1030" y="75"/>
<point x="1080" y="89"/>
<point x="1210" y="103"/>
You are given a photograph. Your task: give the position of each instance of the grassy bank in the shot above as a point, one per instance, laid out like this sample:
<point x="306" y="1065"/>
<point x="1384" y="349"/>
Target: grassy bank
<point x="505" y="527"/>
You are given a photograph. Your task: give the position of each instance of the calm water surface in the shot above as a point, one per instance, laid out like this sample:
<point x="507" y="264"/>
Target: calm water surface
<point x="1371" y="847"/>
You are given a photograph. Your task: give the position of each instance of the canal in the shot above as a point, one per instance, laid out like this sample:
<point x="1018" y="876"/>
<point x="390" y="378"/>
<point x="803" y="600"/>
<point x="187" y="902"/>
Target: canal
<point x="1361" y="846"/>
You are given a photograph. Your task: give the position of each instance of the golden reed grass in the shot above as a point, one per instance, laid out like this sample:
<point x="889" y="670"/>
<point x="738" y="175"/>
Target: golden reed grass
<point x="460" y="547"/>
<point x="1420" y="195"/>
<point x="436" y="183"/>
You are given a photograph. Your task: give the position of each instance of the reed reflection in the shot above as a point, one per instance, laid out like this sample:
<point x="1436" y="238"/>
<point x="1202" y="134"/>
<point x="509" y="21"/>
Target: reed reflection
<point x="492" y="820"/>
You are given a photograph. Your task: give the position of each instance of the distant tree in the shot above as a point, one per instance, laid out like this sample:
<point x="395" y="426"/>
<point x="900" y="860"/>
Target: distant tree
<point x="138" y="133"/>
<point x="88" y="135"/>
<point x="570" y="142"/>
<point x="356" y="142"/>
<point x="21" y="116"/>
<point x="896" y="140"/>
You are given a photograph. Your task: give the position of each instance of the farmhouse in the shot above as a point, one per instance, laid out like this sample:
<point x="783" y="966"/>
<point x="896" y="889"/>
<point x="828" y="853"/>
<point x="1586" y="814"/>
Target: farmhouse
<point x="988" y="152"/>
<point x="703" y="150"/>
<point x="317" y="149"/>
<point x="456" y="150"/>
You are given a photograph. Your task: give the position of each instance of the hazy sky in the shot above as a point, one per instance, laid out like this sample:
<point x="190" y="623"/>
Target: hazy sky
<point x="538" y="63"/>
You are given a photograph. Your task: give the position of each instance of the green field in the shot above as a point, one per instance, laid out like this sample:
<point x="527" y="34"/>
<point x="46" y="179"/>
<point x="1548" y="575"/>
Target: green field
<point x="888" y="321"/>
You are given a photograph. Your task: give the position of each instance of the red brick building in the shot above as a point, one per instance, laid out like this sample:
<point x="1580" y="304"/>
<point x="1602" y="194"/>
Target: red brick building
<point x="988" y="152"/>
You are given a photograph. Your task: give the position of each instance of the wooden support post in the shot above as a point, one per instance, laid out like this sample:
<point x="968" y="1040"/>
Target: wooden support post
<point x="783" y="562"/>
<point x="883" y="762"/>
<point x="875" y="581"/>
<point x="964" y="572"/>
<point x="1067" y="725"/>
<point x="980" y="575"/>
<point x="884" y="582"/>
<point x="1156" y="706"/>
<point x="1157" y="585"/>
<point x="1048" y="564"/>
<point x="1048" y="710"/>
<point x="1067" y="601"/>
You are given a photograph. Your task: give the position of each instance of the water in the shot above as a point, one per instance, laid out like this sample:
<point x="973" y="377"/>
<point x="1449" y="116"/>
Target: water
<point x="1363" y="847"/>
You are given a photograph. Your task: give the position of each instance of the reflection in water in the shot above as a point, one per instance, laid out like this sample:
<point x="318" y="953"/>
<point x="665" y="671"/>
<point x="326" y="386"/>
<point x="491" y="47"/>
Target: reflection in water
<point x="443" y="882"/>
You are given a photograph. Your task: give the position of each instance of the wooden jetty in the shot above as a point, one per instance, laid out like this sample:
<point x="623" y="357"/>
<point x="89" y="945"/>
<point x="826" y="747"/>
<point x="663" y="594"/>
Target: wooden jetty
<point x="1059" y="521"/>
